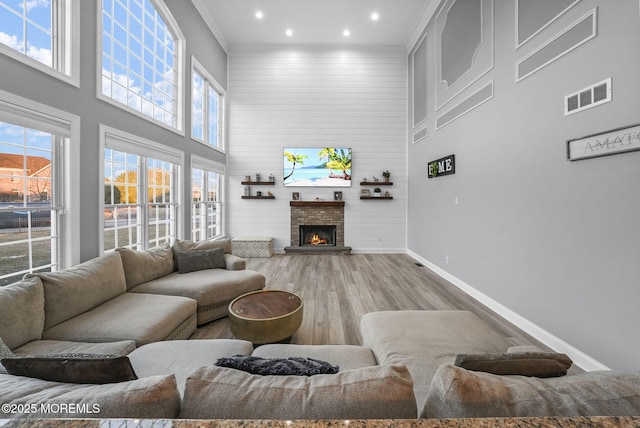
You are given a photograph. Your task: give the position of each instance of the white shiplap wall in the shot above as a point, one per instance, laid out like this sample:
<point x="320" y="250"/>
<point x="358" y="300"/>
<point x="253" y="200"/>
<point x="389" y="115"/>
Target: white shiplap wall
<point x="318" y="97"/>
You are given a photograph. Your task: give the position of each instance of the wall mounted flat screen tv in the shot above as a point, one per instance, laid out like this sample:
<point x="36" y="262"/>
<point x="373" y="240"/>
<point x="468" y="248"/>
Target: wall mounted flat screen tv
<point x="317" y="166"/>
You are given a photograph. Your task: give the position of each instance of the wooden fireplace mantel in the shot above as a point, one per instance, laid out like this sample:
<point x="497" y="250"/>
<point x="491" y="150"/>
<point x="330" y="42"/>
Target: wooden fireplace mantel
<point x="316" y="203"/>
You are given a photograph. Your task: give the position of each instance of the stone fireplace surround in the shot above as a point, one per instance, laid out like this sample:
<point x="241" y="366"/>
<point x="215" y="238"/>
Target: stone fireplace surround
<point x="317" y="213"/>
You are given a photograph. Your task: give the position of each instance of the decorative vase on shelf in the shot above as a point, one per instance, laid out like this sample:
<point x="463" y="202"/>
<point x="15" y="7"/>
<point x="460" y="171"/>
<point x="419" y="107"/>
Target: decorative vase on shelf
<point x="386" y="175"/>
<point x="247" y="191"/>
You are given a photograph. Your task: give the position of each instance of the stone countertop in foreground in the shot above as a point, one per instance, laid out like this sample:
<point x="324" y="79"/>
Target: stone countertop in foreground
<point x="604" y="422"/>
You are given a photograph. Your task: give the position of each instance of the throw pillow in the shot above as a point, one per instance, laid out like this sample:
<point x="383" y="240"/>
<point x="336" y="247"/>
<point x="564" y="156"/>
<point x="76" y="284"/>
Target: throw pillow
<point x="73" y="368"/>
<point x="194" y="260"/>
<point x="296" y="366"/>
<point x="537" y="364"/>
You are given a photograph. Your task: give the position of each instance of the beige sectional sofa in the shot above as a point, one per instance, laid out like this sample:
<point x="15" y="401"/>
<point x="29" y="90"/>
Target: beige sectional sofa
<point x="403" y="370"/>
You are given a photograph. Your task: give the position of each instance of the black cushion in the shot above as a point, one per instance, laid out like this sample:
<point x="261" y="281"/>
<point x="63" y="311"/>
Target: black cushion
<point x="73" y="368"/>
<point x="296" y="366"/>
<point x="194" y="260"/>
<point x="537" y="364"/>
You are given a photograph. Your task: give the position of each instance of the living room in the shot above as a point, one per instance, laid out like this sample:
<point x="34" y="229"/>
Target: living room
<point x="548" y="243"/>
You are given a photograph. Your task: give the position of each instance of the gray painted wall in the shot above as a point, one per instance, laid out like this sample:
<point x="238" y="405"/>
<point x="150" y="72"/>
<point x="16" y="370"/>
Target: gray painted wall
<point x="556" y="242"/>
<point x="32" y="84"/>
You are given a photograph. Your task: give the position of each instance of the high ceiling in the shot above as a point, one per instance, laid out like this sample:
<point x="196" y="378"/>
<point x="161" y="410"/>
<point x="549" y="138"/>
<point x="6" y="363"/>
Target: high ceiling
<point x="315" y="22"/>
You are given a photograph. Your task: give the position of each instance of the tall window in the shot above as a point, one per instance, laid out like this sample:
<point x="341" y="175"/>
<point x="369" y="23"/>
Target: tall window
<point x="30" y="201"/>
<point x="140" y="59"/>
<point x="206" y="208"/>
<point x="40" y="32"/>
<point x="207" y="110"/>
<point x="140" y="196"/>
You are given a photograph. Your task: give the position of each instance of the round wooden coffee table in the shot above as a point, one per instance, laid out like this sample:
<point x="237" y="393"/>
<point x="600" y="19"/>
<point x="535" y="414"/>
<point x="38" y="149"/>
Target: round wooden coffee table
<point x="265" y="316"/>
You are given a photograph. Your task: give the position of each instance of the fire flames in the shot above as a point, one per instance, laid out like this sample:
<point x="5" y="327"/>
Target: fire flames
<point x="316" y="240"/>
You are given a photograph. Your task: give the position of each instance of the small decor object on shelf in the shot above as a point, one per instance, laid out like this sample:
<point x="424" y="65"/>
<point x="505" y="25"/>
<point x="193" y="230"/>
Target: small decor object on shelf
<point x="386" y="194"/>
<point x="364" y="180"/>
<point x="337" y="196"/>
<point x="295" y="196"/>
<point x="258" y="193"/>
<point x="376" y="192"/>
<point x="247" y="191"/>
<point x="375" y="179"/>
<point x="365" y="192"/>
<point x="247" y="178"/>
<point x="271" y="178"/>
<point x="258" y="176"/>
<point x="386" y="175"/>
<point x="269" y="193"/>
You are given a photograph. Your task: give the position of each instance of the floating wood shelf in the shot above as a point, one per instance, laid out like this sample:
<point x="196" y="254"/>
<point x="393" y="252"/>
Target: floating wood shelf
<point x="376" y="183"/>
<point x="376" y="197"/>
<point x="258" y="183"/>
<point x="316" y="203"/>
<point x="258" y="197"/>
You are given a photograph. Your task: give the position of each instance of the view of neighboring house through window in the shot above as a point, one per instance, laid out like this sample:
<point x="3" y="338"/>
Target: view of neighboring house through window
<point x="207" y="108"/>
<point x="29" y="202"/>
<point x="140" y="198"/>
<point x="206" y="208"/>
<point x="140" y="58"/>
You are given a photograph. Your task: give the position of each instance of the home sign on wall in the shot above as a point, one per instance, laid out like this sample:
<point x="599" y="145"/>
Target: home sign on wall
<point x="442" y="166"/>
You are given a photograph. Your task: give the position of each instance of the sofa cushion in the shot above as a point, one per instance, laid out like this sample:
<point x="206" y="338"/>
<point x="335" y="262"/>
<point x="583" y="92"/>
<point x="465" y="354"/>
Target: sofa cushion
<point x="22" y="313"/>
<point x="5" y="352"/>
<point x="141" y="266"/>
<point x="183" y="357"/>
<point x="459" y="393"/>
<point x="208" y="287"/>
<point x="76" y="290"/>
<point x="143" y="318"/>
<point x="73" y="368"/>
<point x="180" y="245"/>
<point x="194" y="260"/>
<point x="222" y="393"/>
<point x="147" y="398"/>
<point x="347" y="357"/>
<point x="291" y="366"/>
<point x="423" y="340"/>
<point x="40" y="347"/>
<point x="539" y="364"/>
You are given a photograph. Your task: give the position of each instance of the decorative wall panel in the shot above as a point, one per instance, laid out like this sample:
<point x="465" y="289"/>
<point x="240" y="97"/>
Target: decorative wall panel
<point x="419" y="60"/>
<point x="464" y="46"/>
<point x="479" y="97"/>
<point x="419" y="135"/>
<point x="532" y="16"/>
<point x="569" y="39"/>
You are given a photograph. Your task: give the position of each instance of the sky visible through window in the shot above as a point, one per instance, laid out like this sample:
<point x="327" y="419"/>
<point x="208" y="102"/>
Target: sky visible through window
<point x="26" y="26"/>
<point x="139" y="59"/>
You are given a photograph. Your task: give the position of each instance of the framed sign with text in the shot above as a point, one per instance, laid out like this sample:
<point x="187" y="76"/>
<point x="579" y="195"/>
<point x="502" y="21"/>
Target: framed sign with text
<point x="442" y="166"/>
<point x="619" y="140"/>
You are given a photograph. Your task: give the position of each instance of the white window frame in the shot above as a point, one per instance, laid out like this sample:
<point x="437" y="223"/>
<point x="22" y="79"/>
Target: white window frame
<point x="208" y="165"/>
<point x="30" y="114"/>
<point x="222" y="108"/>
<point x="123" y="141"/>
<point x="180" y="49"/>
<point x="66" y="51"/>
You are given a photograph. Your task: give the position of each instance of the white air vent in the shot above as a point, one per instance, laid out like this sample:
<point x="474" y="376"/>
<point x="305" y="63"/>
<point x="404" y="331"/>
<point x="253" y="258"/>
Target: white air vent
<point x="592" y="96"/>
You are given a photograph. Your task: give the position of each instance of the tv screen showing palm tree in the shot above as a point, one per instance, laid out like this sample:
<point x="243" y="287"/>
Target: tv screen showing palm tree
<point x="317" y="166"/>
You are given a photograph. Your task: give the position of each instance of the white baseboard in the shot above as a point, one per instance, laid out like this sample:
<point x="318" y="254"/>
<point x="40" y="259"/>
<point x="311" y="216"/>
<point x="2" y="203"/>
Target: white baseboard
<point x="579" y="358"/>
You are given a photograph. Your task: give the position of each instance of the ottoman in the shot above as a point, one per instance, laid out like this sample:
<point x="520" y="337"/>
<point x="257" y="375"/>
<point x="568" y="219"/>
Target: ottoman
<point x="252" y="246"/>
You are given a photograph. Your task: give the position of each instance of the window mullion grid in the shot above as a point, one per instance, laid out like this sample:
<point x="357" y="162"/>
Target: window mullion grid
<point x="143" y="183"/>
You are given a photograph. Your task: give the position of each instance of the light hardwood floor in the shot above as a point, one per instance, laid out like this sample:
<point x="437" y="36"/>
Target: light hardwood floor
<point x="338" y="289"/>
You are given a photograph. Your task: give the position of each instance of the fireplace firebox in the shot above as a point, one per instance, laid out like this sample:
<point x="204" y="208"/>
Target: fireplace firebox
<point x="318" y="235"/>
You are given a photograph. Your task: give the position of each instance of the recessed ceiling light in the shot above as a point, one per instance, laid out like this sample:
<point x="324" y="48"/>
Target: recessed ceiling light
<point x="346" y="33"/>
<point x="259" y="15"/>
<point x="375" y="16"/>
<point x="289" y="32"/>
